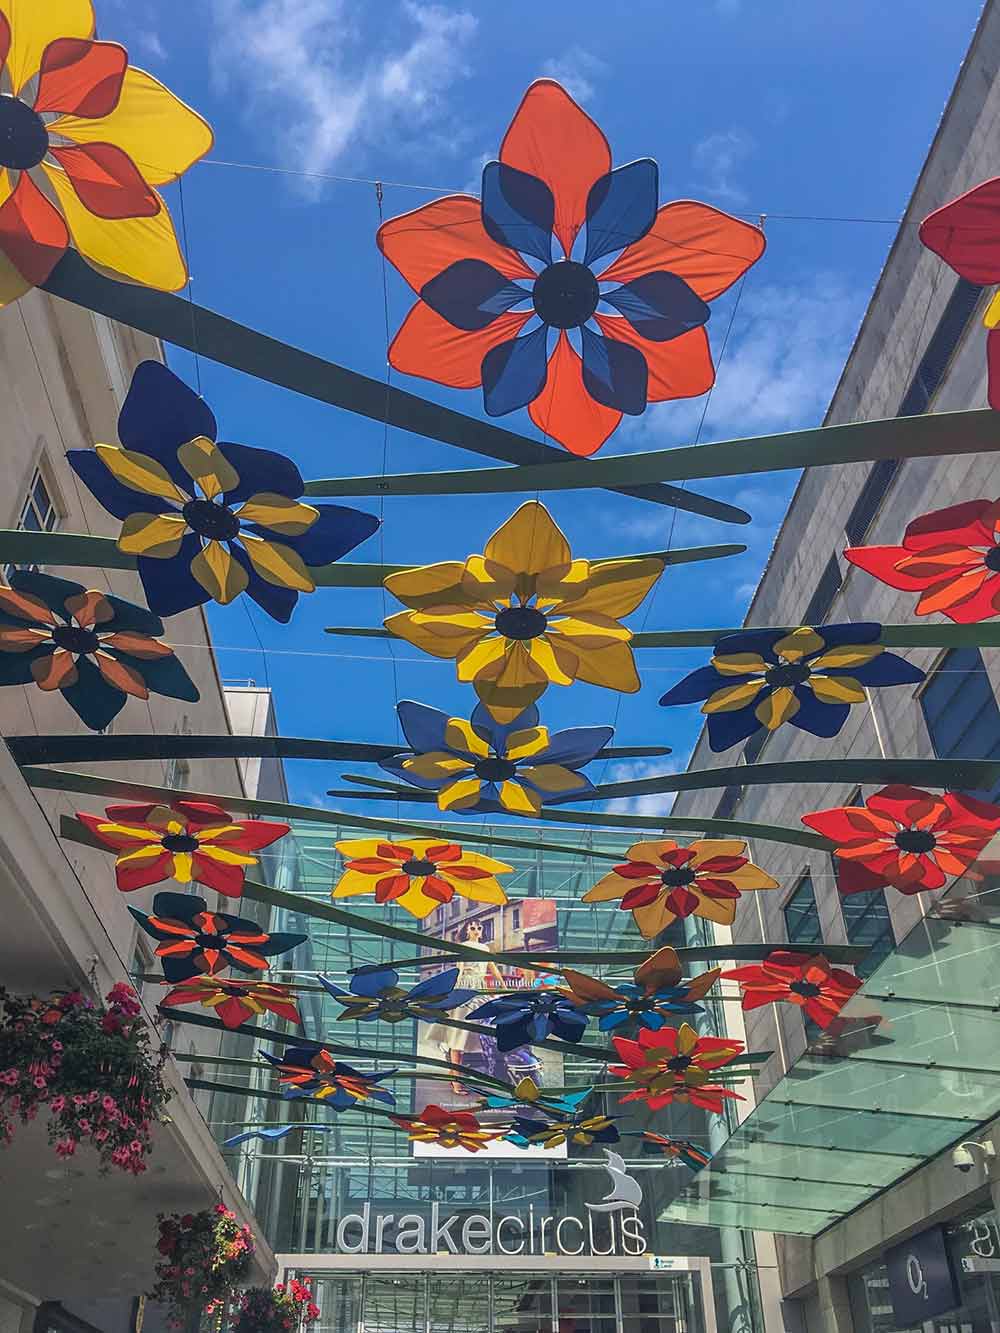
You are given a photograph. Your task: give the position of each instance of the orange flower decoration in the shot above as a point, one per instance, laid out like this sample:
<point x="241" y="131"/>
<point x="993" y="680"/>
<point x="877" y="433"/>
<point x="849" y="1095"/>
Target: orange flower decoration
<point x="419" y="875"/>
<point x="448" y="1129"/>
<point x="235" y="1002"/>
<point x="675" y="1064"/>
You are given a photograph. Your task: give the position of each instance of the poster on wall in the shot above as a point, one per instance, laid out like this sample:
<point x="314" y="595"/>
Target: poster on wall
<point x="528" y="925"/>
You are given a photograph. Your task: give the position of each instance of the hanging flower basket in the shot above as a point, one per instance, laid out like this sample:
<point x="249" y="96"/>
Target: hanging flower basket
<point x="280" y="1309"/>
<point x="206" y="1255"/>
<point x="89" y="1067"/>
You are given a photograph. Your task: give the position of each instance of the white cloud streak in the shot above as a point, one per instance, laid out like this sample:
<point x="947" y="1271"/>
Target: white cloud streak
<point x="578" y="70"/>
<point x="717" y="159"/>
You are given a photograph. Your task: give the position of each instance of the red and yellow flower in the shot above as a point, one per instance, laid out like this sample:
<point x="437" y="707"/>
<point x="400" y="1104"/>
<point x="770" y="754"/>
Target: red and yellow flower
<point x="675" y="1064"/>
<point x="663" y="881"/>
<point x="419" y="875"/>
<point x="448" y="1129"/>
<point x="951" y="557"/>
<point x="906" y="838"/>
<point x="85" y="142"/>
<point x="808" y="981"/>
<point x="187" y="841"/>
<point x="235" y="1002"/>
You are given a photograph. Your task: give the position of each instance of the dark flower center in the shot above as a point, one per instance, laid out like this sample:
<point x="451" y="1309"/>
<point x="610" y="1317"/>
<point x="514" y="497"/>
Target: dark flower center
<point x="521" y="622"/>
<point x="992" y="561"/>
<point x="915" y="840"/>
<point x="179" y="842"/>
<point x="417" y="867"/>
<point x="210" y="941"/>
<point x="75" y="639"/>
<point x="679" y="1063"/>
<point x="24" y="140"/>
<point x="565" y="294"/>
<point x="677" y="877"/>
<point x="804" y="988"/>
<point x="495" y="770"/>
<point x="788" y="675"/>
<point x="212" y="521"/>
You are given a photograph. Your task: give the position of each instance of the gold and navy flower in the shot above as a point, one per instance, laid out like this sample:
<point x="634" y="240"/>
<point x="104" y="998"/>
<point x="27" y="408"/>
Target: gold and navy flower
<point x="525" y="614"/>
<point x="209" y="521"/>
<point x="520" y="766"/>
<point x="808" y="677"/>
<point x="311" y="1071"/>
<point x="97" y="650"/>
<point x="576" y="1128"/>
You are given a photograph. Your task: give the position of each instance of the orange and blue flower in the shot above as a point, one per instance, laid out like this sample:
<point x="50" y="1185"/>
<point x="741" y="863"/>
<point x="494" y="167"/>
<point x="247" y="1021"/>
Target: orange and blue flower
<point x="209" y="521"/>
<point x="311" y="1071"/>
<point x="808" y="677"/>
<point x="95" y="649"/>
<point x="375" y="993"/>
<point x="195" y="941"/>
<point x="681" y="1150"/>
<point x="518" y="765"/>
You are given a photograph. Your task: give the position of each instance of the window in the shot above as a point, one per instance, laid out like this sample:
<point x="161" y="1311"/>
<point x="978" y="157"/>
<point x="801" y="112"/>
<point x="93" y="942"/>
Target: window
<point x="38" y="513"/>
<point x="945" y="338"/>
<point x="728" y="802"/>
<point x="802" y="915"/>
<point x="756" y="743"/>
<point x="873" y="492"/>
<point x="515" y="919"/>
<point x="866" y="918"/>
<point x="826" y="590"/>
<point x="961" y="711"/>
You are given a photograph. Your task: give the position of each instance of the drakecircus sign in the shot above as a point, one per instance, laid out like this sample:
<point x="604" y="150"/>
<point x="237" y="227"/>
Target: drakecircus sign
<point x="475" y="1233"/>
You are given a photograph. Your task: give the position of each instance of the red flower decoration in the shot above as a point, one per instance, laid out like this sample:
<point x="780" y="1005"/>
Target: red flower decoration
<point x="235" y="1002"/>
<point x="674" y="1064"/>
<point x="906" y="838"/>
<point x="189" y="840"/>
<point x="641" y="341"/>
<point x="966" y="235"/>
<point x="797" y="978"/>
<point x="951" y="557"/>
<point x="449" y="1129"/>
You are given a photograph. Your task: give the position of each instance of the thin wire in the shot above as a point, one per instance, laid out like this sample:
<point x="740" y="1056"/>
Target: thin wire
<point x="190" y="293"/>
<point x="263" y="653"/>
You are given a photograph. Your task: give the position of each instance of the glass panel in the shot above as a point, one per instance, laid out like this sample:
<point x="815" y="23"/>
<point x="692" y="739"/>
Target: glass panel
<point x="522" y="1304"/>
<point x="783" y="1192"/>
<point x="393" y="1301"/>
<point x="941" y="961"/>
<point x="339" y="1299"/>
<point x="758" y="1217"/>
<point x="459" y="1304"/>
<point x="813" y="1164"/>
<point x="855" y="1085"/>
<point x="586" y="1305"/>
<point x="907" y="1137"/>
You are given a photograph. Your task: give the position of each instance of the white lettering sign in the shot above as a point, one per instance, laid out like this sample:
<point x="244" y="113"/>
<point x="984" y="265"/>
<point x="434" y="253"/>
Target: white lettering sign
<point x="473" y="1233"/>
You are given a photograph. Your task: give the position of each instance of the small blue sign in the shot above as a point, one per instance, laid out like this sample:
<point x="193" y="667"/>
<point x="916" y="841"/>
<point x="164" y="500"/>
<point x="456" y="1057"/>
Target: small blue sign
<point x="921" y="1281"/>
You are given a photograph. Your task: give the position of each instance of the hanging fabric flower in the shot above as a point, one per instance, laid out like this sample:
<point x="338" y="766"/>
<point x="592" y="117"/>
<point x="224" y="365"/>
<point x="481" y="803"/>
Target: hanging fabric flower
<point x="681" y="1150"/>
<point x="195" y="940"/>
<point x="674" y="1064"/>
<point x="419" y="875"/>
<point x="966" y="235"/>
<point x="375" y="992"/>
<point x="808" y="677"/>
<point x="809" y="981"/>
<point x="448" y="1129"/>
<point x="519" y="765"/>
<point x="580" y="1130"/>
<point x="85" y="139"/>
<point x="906" y="838"/>
<point x="525" y="614"/>
<point x="658" y="994"/>
<point x="504" y="304"/>
<point x="209" y="521"/>
<point x="530" y="1016"/>
<point x="234" y="1002"/>
<point x="95" y="649"/>
<point x="661" y="882"/>
<point x="187" y="841"/>
<point x="311" y="1071"/>
<point x="951" y="557"/>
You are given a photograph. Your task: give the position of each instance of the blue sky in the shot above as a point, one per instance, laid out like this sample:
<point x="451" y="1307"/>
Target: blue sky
<point x="756" y="106"/>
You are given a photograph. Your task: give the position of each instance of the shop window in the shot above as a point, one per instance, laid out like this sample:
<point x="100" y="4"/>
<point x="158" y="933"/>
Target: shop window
<point x="961" y="712"/>
<point x="38" y="513"/>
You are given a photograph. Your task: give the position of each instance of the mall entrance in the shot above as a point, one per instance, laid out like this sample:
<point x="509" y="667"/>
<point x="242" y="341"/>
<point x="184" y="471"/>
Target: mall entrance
<point x="533" y="1301"/>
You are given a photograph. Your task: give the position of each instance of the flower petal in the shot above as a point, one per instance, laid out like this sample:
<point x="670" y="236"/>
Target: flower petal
<point x="55" y="671"/>
<point x="514" y="372"/>
<point x="122" y="677"/>
<point x="707" y="248"/>
<point x="659" y="306"/>
<point x="33" y="26"/>
<point x="519" y="800"/>
<point x="614" y="373"/>
<point x="161" y="135"/>
<point x="616" y="587"/>
<point x="518" y="210"/>
<point x="965" y="233"/>
<point x="679" y="368"/>
<point x="277" y="563"/>
<point x="33" y="236"/>
<point x="222" y="577"/>
<point x="553" y="778"/>
<point x="462" y="736"/>
<point x="80" y="77"/>
<point x="423" y="243"/>
<point x="460" y="794"/>
<point x="621" y="208"/>
<point x="551" y="138"/>
<point x="565" y="410"/>
<point x="470" y="294"/>
<point x="139" y="472"/>
<point x="204" y="462"/>
<point x="157" y="536"/>
<point x="431" y="348"/>
<point x="529" y="542"/>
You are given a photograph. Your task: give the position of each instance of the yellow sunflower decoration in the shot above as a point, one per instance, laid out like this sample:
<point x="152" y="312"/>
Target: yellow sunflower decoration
<point x="419" y="875"/>
<point x="525" y="615"/>
<point x="85" y="140"/>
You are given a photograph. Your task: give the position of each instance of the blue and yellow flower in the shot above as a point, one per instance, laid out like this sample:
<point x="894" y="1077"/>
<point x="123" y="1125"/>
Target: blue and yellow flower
<point x="519" y="765"/>
<point x="375" y="993"/>
<point x="208" y="521"/>
<point x="658" y="993"/>
<point x="582" y="1130"/>
<point x="808" y="677"/>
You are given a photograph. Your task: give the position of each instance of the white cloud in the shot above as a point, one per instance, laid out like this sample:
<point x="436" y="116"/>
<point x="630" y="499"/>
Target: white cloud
<point x="304" y="64"/>
<point x="717" y="159"/>
<point x="149" y="42"/>
<point x="659" y="804"/>
<point x="577" y="70"/>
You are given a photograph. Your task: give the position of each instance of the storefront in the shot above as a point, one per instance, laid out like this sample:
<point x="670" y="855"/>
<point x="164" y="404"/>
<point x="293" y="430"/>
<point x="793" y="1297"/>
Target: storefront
<point x="950" y="1275"/>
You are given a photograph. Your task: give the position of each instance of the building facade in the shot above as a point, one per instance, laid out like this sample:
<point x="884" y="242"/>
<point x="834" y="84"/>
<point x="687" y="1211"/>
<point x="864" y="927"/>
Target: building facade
<point x="921" y="348"/>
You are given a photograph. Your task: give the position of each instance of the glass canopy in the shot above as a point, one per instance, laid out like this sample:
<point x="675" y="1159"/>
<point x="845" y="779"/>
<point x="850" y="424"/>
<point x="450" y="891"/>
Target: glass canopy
<point x="913" y="1067"/>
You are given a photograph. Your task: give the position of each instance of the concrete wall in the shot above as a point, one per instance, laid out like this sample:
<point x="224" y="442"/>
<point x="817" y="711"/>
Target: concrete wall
<point x="905" y="309"/>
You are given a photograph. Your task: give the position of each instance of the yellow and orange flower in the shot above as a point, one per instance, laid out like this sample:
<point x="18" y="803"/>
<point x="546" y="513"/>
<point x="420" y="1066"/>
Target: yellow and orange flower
<point x="235" y="1002"/>
<point x="419" y="875"/>
<point x="85" y="140"/>
<point x="448" y="1129"/>
<point x="525" y="615"/>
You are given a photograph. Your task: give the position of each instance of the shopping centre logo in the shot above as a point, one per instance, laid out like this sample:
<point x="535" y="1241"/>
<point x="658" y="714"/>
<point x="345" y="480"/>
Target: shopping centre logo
<point x="626" y="1192"/>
